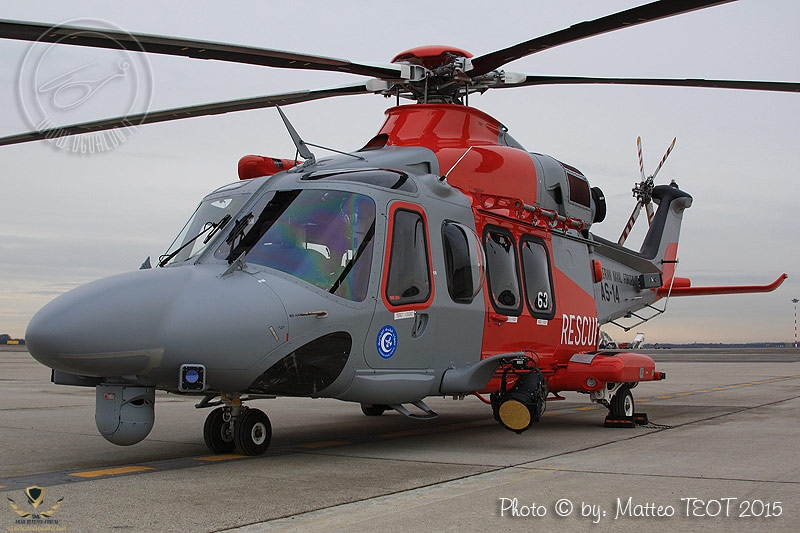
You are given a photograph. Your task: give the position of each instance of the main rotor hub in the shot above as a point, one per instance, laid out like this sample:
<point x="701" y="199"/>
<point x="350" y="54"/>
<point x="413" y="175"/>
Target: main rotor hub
<point x="431" y="57"/>
<point x="443" y="75"/>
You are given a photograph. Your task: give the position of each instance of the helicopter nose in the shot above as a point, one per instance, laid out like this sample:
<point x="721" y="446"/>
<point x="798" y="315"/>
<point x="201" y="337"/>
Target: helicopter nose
<point x="148" y="322"/>
<point x="108" y="327"/>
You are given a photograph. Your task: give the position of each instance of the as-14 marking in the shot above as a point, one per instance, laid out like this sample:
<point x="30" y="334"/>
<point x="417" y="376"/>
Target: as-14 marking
<point x="609" y="292"/>
<point x="609" y="289"/>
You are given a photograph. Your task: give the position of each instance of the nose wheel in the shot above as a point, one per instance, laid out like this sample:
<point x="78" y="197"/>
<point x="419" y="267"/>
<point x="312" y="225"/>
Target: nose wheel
<point x="250" y="430"/>
<point x="218" y="432"/>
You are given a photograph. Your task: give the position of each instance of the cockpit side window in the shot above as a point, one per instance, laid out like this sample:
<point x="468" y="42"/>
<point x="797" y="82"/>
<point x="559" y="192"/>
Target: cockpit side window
<point x="409" y="278"/>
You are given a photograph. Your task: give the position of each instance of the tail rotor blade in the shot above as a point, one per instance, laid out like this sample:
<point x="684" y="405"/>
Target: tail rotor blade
<point x="641" y="161"/>
<point x="629" y="225"/>
<point x="661" y="163"/>
<point x="650" y="213"/>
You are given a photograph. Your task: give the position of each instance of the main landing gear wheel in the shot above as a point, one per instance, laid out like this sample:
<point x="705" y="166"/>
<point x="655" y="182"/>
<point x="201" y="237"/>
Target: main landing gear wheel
<point x="373" y="410"/>
<point x="622" y="403"/>
<point x="218" y="433"/>
<point x="252" y="432"/>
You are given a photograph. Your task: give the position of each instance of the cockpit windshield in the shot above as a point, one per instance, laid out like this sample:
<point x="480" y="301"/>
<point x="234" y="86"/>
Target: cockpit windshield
<point x="320" y="236"/>
<point x="211" y="216"/>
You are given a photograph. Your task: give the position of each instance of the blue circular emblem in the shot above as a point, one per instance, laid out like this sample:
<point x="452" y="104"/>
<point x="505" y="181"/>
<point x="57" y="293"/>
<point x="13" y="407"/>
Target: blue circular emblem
<point x="387" y="342"/>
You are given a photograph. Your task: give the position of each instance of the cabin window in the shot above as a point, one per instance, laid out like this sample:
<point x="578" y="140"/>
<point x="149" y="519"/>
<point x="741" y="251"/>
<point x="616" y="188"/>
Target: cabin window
<point x="463" y="262"/>
<point x="409" y="277"/>
<point x="538" y="278"/>
<point x="579" y="190"/>
<point x="501" y="265"/>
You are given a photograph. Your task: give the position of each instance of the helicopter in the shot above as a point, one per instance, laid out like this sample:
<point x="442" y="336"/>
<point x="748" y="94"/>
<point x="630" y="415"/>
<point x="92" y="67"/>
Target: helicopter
<point x="441" y="259"/>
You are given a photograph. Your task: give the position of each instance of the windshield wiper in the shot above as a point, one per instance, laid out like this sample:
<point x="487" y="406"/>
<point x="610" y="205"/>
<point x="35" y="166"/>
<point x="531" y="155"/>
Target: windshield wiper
<point x="164" y="259"/>
<point x="236" y="232"/>
<point x="221" y="224"/>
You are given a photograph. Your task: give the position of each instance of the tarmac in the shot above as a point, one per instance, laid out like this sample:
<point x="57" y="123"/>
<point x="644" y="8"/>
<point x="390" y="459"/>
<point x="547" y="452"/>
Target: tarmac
<point x="720" y="452"/>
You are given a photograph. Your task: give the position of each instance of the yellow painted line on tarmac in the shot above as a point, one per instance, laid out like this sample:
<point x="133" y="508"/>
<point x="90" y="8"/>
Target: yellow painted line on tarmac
<point x="588" y="408"/>
<point x="325" y="444"/>
<point x="717" y="389"/>
<point x="224" y="457"/>
<point x="112" y="471"/>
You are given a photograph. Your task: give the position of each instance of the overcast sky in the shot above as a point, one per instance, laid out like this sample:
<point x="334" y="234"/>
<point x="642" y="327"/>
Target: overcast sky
<point x="66" y="218"/>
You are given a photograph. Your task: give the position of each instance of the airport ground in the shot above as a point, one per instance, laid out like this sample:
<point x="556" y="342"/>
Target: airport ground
<point x="720" y="453"/>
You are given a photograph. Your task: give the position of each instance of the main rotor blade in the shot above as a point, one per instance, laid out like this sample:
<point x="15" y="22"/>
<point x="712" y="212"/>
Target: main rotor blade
<point x="140" y="42"/>
<point x="780" y="86"/>
<point x="218" y="108"/>
<point x="624" y="19"/>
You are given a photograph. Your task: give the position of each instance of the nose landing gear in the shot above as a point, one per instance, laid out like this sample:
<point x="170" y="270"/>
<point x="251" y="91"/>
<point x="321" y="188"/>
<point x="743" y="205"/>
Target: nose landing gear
<point x="253" y="432"/>
<point x="235" y="426"/>
<point x="218" y="431"/>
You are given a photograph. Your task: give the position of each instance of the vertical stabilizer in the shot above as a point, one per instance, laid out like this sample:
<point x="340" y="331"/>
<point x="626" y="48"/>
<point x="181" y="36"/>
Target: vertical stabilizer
<point x="661" y="242"/>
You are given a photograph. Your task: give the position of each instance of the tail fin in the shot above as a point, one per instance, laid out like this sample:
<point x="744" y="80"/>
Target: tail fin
<point x="630" y="280"/>
<point x="661" y="242"/>
<point x="626" y="281"/>
<point x="661" y="245"/>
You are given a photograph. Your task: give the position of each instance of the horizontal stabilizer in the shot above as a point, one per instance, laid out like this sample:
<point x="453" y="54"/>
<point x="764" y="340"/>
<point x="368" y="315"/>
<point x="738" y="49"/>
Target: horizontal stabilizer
<point x="681" y="287"/>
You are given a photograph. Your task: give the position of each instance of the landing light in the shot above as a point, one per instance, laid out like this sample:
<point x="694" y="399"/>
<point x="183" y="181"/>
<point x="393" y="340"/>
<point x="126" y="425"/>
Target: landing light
<point x="192" y="378"/>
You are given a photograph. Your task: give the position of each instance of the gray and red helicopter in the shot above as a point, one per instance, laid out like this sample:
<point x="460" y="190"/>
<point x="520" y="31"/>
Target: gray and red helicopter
<point x="441" y="259"/>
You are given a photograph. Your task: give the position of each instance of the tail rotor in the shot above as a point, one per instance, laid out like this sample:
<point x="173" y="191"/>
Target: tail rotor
<point x="643" y="191"/>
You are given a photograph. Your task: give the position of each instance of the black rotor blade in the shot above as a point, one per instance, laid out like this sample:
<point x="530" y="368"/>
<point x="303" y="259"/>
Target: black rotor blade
<point x="218" y="108"/>
<point x="136" y="42"/>
<point x="624" y="19"/>
<point x="780" y="86"/>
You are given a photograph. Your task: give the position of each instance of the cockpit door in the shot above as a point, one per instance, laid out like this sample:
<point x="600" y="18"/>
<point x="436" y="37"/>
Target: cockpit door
<point x="402" y="334"/>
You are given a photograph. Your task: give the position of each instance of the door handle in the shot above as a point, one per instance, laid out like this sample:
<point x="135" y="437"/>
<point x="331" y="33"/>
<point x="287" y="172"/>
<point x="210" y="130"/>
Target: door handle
<point x="420" y="325"/>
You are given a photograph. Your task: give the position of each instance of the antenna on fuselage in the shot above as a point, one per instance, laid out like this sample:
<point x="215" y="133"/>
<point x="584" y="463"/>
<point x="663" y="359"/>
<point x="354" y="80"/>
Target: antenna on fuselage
<point x="302" y="148"/>
<point x="444" y="176"/>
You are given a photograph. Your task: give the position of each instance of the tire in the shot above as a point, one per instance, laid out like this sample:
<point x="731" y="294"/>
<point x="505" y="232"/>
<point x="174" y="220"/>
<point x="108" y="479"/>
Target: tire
<point x="217" y="433"/>
<point x="622" y="403"/>
<point x="253" y="432"/>
<point x="373" y="410"/>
